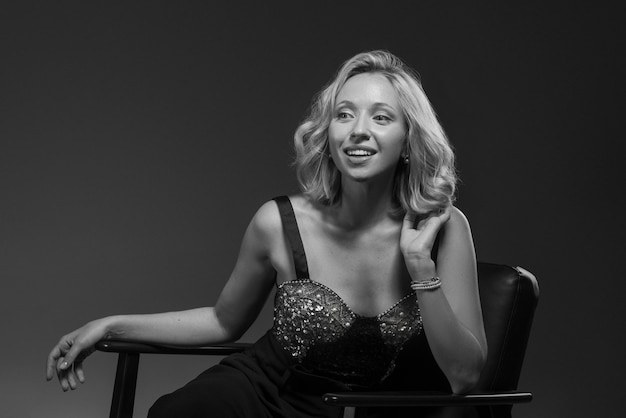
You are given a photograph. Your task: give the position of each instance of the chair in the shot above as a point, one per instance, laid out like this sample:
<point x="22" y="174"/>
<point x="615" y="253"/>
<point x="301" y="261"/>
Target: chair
<point x="508" y="297"/>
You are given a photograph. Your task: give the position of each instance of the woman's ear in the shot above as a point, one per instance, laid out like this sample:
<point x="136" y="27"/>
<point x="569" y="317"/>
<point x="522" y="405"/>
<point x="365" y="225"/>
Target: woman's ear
<point x="406" y="152"/>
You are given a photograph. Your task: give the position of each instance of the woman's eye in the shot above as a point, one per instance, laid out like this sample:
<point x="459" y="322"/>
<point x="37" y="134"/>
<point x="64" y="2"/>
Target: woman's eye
<point x="382" y="118"/>
<point x="343" y="115"/>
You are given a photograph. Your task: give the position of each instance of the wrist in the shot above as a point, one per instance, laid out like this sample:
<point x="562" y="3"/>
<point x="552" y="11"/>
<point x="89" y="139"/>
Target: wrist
<point x="426" y="285"/>
<point x="113" y="327"/>
<point x="419" y="273"/>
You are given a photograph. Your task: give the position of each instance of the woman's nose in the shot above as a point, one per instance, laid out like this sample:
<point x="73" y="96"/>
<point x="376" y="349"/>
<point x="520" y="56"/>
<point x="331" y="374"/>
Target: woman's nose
<point x="360" y="130"/>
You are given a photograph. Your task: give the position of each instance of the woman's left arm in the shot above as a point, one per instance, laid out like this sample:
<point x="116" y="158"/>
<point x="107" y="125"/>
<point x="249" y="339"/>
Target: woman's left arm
<point x="451" y="314"/>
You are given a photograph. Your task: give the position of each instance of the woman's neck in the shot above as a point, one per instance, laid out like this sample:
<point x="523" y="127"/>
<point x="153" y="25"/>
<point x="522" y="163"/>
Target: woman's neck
<point x="364" y="204"/>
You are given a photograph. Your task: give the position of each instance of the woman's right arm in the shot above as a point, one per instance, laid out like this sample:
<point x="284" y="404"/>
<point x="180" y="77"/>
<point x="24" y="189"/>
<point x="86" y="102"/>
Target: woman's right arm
<point x="238" y="305"/>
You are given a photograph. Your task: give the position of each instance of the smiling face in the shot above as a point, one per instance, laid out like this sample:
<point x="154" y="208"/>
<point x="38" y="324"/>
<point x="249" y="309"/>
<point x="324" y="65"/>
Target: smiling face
<point x="367" y="134"/>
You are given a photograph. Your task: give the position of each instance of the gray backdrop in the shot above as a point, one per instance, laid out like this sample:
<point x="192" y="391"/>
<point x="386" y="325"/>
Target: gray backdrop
<point x="137" y="142"/>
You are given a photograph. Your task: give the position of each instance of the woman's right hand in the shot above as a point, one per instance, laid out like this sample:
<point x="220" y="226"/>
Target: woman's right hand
<point x="66" y="358"/>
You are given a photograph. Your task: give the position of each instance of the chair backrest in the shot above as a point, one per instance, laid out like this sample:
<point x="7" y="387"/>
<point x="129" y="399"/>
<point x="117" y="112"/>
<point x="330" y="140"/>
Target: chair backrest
<point x="508" y="298"/>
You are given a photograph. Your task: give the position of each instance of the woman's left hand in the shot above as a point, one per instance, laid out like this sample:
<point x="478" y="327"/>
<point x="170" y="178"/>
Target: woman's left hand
<point x="416" y="242"/>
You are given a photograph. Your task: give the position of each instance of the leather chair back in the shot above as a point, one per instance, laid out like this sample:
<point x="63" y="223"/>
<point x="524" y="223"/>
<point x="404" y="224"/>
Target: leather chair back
<point x="508" y="297"/>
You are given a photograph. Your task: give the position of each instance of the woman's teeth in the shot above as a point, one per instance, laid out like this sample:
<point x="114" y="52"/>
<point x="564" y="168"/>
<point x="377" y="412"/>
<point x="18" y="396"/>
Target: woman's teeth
<point x="359" y="153"/>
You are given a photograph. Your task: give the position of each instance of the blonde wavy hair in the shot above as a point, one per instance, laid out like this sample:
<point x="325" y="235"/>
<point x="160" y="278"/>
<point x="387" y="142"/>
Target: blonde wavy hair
<point x="425" y="184"/>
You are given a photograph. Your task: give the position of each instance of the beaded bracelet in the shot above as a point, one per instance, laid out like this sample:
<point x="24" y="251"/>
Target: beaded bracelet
<point x="429" y="284"/>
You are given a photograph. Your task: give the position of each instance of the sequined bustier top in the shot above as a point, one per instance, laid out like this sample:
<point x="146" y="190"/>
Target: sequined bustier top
<point x="319" y="331"/>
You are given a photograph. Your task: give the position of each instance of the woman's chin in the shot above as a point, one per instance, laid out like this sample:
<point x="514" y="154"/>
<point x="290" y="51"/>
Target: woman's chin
<point x="364" y="175"/>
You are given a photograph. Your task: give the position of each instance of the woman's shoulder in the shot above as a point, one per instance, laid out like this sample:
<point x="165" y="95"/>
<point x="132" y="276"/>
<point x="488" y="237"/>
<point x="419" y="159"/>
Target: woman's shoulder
<point x="457" y="228"/>
<point x="265" y="230"/>
<point x="267" y="218"/>
<point x="458" y="218"/>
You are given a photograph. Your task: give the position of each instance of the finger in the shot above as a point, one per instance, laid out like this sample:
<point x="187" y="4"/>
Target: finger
<point x="60" y="351"/>
<point x="409" y="219"/>
<point x="63" y="381"/>
<point x="444" y="214"/>
<point x="68" y="360"/>
<point x="64" y="373"/>
<point x="429" y="228"/>
<point x="71" y="378"/>
<point x="61" y="367"/>
<point x="52" y="362"/>
<point x="78" y="369"/>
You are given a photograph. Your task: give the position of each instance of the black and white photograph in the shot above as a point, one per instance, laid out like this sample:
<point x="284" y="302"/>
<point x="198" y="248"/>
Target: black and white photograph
<point x="312" y="209"/>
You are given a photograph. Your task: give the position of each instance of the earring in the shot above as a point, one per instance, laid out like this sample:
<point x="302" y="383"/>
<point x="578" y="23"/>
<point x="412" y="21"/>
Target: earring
<point x="406" y="159"/>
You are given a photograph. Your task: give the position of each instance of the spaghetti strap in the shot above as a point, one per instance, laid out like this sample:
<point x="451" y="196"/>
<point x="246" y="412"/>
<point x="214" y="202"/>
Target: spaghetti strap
<point x="290" y="225"/>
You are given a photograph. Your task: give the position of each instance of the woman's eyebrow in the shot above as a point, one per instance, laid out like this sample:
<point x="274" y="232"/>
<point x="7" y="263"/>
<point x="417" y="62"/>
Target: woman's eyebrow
<point x="344" y="103"/>
<point x="383" y="105"/>
<point x="375" y="105"/>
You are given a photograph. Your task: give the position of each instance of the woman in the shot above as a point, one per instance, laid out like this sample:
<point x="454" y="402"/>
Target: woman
<point x="370" y="256"/>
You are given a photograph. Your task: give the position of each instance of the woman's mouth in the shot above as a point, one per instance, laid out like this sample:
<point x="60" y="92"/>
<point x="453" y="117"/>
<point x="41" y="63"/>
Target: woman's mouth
<point x="359" y="155"/>
<point x="359" y="152"/>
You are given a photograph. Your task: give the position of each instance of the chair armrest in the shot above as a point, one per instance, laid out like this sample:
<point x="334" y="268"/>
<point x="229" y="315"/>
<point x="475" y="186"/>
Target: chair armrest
<point x="413" y="398"/>
<point x="114" y="346"/>
<point x="125" y="384"/>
